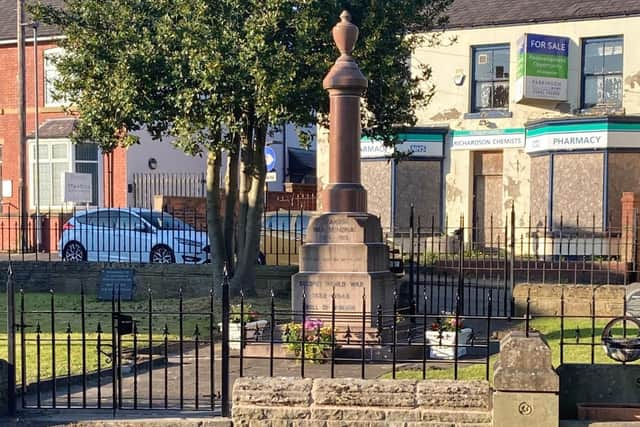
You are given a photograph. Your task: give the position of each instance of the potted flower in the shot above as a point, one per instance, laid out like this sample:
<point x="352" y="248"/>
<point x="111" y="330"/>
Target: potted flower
<point x="441" y="338"/>
<point x="238" y="316"/>
<point x="318" y="340"/>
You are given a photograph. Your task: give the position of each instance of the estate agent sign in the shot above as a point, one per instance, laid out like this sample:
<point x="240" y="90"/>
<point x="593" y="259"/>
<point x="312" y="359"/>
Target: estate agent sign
<point x="543" y="63"/>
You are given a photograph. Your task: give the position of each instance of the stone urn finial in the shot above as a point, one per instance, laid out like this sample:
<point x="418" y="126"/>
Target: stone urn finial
<point x="345" y="34"/>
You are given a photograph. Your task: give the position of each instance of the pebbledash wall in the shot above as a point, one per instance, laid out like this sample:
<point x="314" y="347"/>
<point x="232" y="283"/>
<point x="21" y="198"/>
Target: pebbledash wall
<point x="549" y="158"/>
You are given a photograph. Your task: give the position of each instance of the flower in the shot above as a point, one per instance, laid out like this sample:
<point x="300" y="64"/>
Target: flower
<point x="312" y="324"/>
<point x="449" y="325"/>
<point x="318" y="340"/>
<point x="239" y="313"/>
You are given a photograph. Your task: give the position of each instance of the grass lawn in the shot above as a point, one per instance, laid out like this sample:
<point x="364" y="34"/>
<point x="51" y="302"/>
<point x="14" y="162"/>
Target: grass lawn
<point x="67" y="317"/>
<point x="574" y="350"/>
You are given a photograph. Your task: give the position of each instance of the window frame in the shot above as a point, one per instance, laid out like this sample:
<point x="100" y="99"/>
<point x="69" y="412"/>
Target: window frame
<point x="583" y="75"/>
<point x="49" y="87"/>
<point x="490" y="47"/>
<point x="70" y="162"/>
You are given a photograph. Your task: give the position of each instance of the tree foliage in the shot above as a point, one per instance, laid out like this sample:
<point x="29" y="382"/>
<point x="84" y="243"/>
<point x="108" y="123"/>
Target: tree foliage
<point x="218" y="74"/>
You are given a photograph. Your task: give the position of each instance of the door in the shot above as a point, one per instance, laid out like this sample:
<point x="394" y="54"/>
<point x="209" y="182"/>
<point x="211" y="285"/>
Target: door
<point x="488" y="221"/>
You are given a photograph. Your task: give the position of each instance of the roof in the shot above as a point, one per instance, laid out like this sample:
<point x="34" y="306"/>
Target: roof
<point x="57" y="128"/>
<point x="8" y="21"/>
<point x="301" y="161"/>
<point x="486" y="13"/>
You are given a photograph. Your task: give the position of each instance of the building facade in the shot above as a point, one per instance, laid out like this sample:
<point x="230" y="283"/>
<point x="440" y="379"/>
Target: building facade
<point x="540" y="107"/>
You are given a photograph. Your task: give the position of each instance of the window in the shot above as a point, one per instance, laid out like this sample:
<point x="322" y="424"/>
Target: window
<point x="602" y="72"/>
<point x="51" y="77"/>
<point x="55" y="158"/>
<point x="490" y="89"/>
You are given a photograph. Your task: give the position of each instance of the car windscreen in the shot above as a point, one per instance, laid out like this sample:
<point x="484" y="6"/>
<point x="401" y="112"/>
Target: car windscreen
<point x="165" y="221"/>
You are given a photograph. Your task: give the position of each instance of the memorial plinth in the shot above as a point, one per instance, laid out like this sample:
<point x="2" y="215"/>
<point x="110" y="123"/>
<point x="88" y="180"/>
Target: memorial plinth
<point x="344" y="258"/>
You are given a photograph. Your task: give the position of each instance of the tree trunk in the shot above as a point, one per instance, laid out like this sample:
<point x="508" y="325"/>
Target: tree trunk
<point x="214" y="223"/>
<point x="231" y="190"/>
<point x="245" y="275"/>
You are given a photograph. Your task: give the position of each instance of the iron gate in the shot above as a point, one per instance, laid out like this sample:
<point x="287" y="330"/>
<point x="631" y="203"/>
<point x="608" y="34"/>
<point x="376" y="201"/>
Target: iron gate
<point x="77" y="352"/>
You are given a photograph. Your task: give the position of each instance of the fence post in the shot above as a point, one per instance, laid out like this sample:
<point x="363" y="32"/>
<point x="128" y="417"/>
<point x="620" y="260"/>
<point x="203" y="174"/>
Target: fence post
<point x="512" y="258"/>
<point x="10" y="405"/>
<point x="226" y="410"/>
<point x="411" y="255"/>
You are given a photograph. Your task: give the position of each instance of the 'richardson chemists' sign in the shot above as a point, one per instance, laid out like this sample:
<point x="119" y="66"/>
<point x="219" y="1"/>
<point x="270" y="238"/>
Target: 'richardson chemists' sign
<point x="543" y="64"/>
<point x="482" y="140"/>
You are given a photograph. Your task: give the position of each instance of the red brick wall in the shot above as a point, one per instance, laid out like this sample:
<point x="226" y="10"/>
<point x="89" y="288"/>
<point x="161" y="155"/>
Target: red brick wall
<point x="115" y="175"/>
<point x="9" y="126"/>
<point x="9" y="110"/>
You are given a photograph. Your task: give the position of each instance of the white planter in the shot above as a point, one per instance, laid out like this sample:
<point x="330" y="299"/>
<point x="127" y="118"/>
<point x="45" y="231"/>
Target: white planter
<point x="444" y="349"/>
<point x="250" y="331"/>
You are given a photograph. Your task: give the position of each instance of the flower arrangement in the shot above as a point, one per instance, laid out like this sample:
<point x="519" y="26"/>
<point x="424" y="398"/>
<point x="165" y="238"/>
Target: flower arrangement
<point x="318" y="340"/>
<point x="448" y="325"/>
<point x="236" y="314"/>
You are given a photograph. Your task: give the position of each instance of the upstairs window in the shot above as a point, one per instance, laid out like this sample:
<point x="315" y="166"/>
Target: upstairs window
<point x="602" y="72"/>
<point x="490" y="78"/>
<point x="51" y="76"/>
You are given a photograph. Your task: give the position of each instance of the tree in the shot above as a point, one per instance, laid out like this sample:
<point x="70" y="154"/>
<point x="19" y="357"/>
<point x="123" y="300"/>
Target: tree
<point x="218" y="74"/>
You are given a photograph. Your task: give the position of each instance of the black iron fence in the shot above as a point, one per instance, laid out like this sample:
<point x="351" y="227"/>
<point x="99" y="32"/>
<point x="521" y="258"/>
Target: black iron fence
<point x="498" y="253"/>
<point x="76" y="351"/>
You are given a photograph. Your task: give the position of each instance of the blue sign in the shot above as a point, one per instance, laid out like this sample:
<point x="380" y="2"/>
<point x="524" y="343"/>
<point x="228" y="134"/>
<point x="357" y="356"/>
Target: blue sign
<point x="270" y="158"/>
<point x="547" y="45"/>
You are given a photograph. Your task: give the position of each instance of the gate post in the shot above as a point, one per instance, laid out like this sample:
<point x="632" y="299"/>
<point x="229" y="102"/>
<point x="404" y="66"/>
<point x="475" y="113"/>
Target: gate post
<point x="224" y="401"/>
<point x="10" y="405"/>
<point x="526" y="385"/>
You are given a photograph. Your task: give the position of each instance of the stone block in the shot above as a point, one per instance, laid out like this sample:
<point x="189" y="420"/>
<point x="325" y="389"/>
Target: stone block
<point x="344" y="228"/>
<point x="347" y="257"/>
<point x="460" y="417"/>
<point x="525" y="364"/>
<point x="278" y="391"/>
<point x="355" y="392"/>
<point x="402" y="415"/>
<point x="525" y="409"/>
<point x="349" y="289"/>
<point x="438" y="394"/>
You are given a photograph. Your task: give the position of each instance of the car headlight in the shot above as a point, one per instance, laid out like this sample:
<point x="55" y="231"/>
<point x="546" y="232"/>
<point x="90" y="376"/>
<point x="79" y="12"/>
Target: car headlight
<point x="187" y="242"/>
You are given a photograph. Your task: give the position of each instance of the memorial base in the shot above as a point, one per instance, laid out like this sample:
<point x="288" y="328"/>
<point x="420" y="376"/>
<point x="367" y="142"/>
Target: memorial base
<point x="344" y="265"/>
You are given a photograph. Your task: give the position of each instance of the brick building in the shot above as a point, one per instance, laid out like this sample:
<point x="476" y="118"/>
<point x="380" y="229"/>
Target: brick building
<point x="537" y="106"/>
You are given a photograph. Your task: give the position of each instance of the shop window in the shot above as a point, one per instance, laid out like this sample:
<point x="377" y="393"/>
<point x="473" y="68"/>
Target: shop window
<point x="55" y="158"/>
<point x="602" y="72"/>
<point x="51" y="76"/>
<point x="490" y="89"/>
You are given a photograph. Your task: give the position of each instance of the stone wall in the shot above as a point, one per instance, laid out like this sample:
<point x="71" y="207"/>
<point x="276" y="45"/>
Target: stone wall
<point x="578" y="299"/>
<point x="338" y="402"/>
<point x="165" y="280"/>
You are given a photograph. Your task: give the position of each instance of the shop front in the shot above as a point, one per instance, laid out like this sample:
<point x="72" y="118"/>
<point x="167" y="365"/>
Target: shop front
<point x="416" y="179"/>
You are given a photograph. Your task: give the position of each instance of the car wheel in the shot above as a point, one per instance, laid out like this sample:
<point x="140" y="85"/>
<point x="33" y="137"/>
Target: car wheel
<point x="74" y="252"/>
<point x="262" y="259"/>
<point x="162" y="255"/>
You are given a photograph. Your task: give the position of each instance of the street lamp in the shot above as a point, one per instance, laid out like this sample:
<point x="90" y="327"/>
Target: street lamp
<point x="35" y="25"/>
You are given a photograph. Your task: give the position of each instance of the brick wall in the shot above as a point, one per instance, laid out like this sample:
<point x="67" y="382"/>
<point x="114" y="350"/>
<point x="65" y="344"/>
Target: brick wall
<point x="347" y="401"/>
<point x="9" y="110"/>
<point x="115" y="178"/>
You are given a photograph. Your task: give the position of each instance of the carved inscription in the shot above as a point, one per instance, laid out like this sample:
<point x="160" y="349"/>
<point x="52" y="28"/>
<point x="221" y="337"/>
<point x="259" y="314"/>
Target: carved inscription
<point x="337" y="229"/>
<point x="348" y="294"/>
